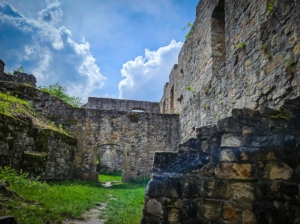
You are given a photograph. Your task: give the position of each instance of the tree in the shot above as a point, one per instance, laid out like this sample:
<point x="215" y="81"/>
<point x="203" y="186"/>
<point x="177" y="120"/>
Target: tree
<point x="61" y="92"/>
<point x="20" y="69"/>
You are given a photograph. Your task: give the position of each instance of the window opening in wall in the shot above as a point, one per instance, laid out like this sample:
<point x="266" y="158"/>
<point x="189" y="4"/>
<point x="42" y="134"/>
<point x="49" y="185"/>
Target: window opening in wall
<point x="164" y="107"/>
<point x="218" y="37"/>
<point x="138" y="110"/>
<point x="172" y="100"/>
<point x="109" y="160"/>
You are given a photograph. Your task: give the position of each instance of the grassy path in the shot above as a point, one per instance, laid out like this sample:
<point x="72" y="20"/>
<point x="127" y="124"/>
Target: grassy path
<point x="54" y="202"/>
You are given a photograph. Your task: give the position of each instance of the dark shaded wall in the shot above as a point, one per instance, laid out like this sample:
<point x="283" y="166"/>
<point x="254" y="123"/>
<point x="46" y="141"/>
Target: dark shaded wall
<point x="41" y="152"/>
<point x="244" y="169"/>
<point x="16" y="77"/>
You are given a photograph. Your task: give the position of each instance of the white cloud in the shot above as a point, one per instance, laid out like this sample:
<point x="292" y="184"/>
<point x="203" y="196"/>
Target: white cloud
<point x="146" y="75"/>
<point x="48" y="51"/>
<point x="52" y="14"/>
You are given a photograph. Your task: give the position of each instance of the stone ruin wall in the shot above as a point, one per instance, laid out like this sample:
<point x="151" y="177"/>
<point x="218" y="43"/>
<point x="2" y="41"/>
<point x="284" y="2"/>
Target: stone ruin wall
<point x="41" y="152"/>
<point x="17" y="77"/>
<point x="122" y="105"/>
<point x="244" y="169"/>
<point x="137" y="135"/>
<point x="223" y="72"/>
<point x="242" y="166"/>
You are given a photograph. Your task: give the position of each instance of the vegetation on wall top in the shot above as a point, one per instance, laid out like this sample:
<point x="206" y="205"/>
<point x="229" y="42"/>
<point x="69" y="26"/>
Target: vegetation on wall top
<point x="61" y="92"/>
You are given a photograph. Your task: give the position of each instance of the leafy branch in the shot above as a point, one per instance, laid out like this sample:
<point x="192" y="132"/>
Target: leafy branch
<point x="191" y="26"/>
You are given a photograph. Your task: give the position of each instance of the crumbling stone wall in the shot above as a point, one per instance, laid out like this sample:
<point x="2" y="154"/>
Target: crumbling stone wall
<point x="240" y="54"/>
<point x="139" y="135"/>
<point x="41" y="152"/>
<point x="121" y="105"/>
<point x="16" y="77"/>
<point x="244" y="169"/>
<point x="2" y="64"/>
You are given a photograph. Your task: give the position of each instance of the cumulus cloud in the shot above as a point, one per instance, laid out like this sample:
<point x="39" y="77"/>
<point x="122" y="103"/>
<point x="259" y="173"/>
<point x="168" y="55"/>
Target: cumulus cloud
<point x="52" y="14"/>
<point x="48" y="51"/>
<point x="146" y="75"/>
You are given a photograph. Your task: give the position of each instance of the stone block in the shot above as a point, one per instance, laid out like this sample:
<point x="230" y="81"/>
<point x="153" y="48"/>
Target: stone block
<point x="161" y="185"/>
<point x="276" y="190"/>
<point x="230" y="212"/>
<point x="229" y="140"/>
<point x="235" y="171"/>
<point x="242" y="195"/>
<point x="278" y="171"/>
<point x="210" y="209"/>
<point x="173" y="216"/>
<point x="228" y="155"/>
<point x="153" y="207"/>
<point x="297" y="48"/>
<point x="275" y="63"/>
<point x="248" y="217"/>
<point x="214" y="189"/>
<point x="207" y="170"/>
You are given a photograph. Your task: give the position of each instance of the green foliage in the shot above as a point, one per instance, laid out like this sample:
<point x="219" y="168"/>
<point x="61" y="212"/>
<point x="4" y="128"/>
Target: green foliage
<point x="13" y="106"/>
<point x="51" y="203"/>
<point x="270" y="6"/>
<point x="20" y="69"/>
<point x="61" y="92"/>
<point x="290" y="64"/>
<point x="266" y="51"/>
<point x="59" y="128"/>
<point x="110" y="176"/>
<point x="281" y="114"/>
<point x="205" y="89"/>
<point x="205" y="106"/>
<point x="240" y="46"/>
<point x="191" y="26"/>
<point x="190" y="88"/>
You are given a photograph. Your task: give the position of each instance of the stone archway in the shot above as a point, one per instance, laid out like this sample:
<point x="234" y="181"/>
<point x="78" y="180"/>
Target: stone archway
<point x="109" y="158"/>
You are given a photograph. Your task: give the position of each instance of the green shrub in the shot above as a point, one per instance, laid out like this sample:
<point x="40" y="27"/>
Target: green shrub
<point x="61" y="92"/>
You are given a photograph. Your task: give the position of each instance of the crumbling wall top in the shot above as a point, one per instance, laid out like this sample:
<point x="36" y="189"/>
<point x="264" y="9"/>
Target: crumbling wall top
<point x="17" y="76"/>
<point x="121" y="105"/>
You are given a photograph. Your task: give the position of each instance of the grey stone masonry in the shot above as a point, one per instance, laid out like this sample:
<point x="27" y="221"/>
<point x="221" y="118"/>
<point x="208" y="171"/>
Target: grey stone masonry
<point x="116" y="139"/>
<point x="244" y="169"/>
<point x="17" y="76"/>
<point x="121" y="105"/>
<point x="239" y="54"/>
<point x="2" y="64"/>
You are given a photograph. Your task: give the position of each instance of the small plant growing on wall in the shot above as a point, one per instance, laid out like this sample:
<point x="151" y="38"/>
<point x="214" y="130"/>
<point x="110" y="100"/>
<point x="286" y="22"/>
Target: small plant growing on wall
<point x="290" y="65"/>
<point x="266" y="51"/>
<point x="205" y="89"/>
<point x="191" y="26"/>
<point x="205" y="106"/>
<point x="20" y="69"/>
<point x="133" y="117"/>
<point x="240" y="45"/>
<point x="270" y="6"/>
<point x="191" y="89"/>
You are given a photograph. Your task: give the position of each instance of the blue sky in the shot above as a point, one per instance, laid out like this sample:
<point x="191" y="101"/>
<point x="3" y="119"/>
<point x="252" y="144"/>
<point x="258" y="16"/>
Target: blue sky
<point x="101" y="48"/>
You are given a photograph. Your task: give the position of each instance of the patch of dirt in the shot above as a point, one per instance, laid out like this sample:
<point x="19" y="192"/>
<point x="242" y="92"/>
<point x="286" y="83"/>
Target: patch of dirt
<point x="90" y="217"/>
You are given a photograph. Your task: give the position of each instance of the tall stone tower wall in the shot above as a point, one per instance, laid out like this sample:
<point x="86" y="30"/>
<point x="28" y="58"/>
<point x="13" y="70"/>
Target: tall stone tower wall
<point x="238" y="54"/>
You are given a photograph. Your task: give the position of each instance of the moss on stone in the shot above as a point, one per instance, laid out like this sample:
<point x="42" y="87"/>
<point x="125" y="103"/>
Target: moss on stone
<point x="282" y="114"/>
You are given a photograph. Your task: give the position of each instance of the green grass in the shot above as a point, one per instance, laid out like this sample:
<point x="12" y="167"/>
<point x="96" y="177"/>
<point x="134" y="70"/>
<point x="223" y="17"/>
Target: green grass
<point x="114" y="176"/>
<point x="13" y="106"/>
<point x="53" y="202"/>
